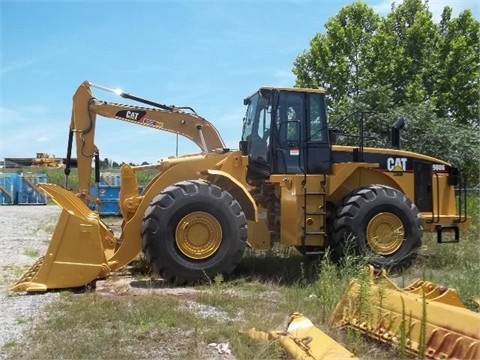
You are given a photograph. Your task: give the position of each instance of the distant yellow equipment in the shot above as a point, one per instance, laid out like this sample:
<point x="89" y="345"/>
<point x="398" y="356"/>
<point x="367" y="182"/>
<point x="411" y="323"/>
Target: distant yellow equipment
<point x="289" y="183"/>
<point x="47" y="160"/>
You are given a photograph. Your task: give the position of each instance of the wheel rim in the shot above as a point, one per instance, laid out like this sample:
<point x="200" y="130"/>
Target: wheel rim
<point x="385" y="233"/>
<point x="198" y="235"/>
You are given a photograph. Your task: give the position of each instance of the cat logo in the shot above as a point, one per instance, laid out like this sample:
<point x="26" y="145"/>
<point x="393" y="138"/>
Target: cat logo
<point x="131" y="115"/>
<point x="397" y="164"/>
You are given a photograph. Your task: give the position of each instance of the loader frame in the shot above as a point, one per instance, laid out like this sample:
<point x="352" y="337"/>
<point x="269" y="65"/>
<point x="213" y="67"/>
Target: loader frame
<point x="288" y="183"/>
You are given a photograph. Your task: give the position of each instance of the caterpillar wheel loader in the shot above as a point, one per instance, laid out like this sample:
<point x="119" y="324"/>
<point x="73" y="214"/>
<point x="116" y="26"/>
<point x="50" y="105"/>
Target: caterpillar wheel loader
<point x="288" y="182"/>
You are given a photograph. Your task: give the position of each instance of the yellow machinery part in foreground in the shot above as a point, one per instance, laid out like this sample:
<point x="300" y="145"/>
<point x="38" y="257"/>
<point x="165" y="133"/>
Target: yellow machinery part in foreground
<point x="303" y="341"/>
<point x="78" y="261"/>
<point x="422" y="319"/>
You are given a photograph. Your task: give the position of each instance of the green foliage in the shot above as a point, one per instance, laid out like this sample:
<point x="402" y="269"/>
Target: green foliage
<point x="340" y="57"/>
<point x="405" y="65"/>
<point x="457" y="89"/>
<point x="424" y="132"/>
<point x="31" y="252"/>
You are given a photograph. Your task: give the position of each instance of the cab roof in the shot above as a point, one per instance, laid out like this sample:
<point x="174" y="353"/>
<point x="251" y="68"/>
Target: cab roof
<point x="292" y="89"/>
<point x="307" y="90"/>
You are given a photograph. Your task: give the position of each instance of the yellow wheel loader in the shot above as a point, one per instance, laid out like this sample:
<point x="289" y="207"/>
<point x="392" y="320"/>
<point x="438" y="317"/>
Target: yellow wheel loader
<point x="288" y="182"/>
<point x="47" y="160"/>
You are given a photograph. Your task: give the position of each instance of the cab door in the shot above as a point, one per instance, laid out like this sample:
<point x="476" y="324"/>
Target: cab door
<point x="288" y="155"/>
<point x="301" y="142"/>
<point x="317" y="144"/>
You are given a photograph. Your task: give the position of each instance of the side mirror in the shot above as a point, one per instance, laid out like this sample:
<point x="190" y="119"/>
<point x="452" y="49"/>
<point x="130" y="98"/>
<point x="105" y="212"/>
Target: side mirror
<point x="333" y="135"/>
<point x="243" y="146"/>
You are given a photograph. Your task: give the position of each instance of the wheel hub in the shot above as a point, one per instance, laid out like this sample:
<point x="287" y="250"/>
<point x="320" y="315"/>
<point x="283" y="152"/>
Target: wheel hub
<point x="198" y="235"/>
<point x="385" y="233"/>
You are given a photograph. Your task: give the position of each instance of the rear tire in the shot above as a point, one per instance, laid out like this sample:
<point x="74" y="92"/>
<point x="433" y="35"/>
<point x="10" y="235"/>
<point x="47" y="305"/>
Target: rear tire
<point x="380" y="223"/>
<point x="192" y="231"/>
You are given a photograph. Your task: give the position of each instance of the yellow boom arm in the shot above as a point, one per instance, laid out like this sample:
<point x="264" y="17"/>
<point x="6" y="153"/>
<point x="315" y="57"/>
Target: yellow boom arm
<point x="167" y="118"/>
<point x="82" y="247"/>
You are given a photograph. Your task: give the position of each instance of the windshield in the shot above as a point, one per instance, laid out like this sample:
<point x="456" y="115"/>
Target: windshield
<point x="249" y="118"/>
<point x="256" y="126"/>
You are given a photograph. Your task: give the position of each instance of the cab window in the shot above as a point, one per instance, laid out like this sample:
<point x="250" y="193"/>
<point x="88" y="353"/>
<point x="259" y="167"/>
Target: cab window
<point x="317" y="129"/>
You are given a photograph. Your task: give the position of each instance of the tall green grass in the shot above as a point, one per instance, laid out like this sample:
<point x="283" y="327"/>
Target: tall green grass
<point x="455" y="265"/>
<point x="57" y="176"/>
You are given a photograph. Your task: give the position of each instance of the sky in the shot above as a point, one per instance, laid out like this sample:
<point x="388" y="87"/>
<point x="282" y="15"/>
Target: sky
<point x="206" y="54"/>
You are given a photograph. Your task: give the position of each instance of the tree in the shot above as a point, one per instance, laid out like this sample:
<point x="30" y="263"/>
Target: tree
<point x="406" y="45"/>
<point x="105" y="164"/>
<point x="458" y="79"/>
<point x="402" y="63"/>
<point x="338" y="59"/>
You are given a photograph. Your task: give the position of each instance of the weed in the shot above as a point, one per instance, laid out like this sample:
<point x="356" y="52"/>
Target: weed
<point x="47" y="225"/>
<point x="65" y="293"/>
<point x="422" y="341"/>
<point x="403" y="332"/>
<point x="326" y="288"/>
<point x="24" y="319"/>
<point x="9" y="344"/>
<point x="140" y="267"/>
<point x="31" y="252"/>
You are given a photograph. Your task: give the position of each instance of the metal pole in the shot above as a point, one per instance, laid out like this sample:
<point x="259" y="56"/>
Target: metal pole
<point x="176" y="147"/>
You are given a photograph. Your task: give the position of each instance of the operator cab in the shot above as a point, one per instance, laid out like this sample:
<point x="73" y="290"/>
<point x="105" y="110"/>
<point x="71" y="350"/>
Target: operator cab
<point x="285" y="132"/>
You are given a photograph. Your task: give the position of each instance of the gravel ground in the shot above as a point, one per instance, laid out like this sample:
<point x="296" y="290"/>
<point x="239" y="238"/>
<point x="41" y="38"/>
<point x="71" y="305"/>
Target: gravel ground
<point x="25" y="233"/>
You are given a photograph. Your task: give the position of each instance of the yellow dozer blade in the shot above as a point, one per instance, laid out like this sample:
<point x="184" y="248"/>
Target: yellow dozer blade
<point x="422" y="319"/>
<point x="303" y="341"/>
<point x="78" y="250"/>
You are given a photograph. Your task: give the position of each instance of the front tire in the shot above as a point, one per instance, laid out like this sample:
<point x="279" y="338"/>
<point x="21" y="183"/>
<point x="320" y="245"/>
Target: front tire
<point x="192" y="231"/>
<point x="380" y="223"/>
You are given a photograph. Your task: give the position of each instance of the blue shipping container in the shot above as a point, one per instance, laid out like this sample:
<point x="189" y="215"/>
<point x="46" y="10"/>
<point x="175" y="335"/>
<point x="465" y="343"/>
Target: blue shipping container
<point x="8" y="188"/>
<point x="27" y="192"/>
<point x="110" y="179"/>
<point x="109" y="196"/>
<point x="110" y="208"/>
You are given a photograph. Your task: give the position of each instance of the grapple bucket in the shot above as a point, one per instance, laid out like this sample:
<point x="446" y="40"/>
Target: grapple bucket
<point x="79" y="249"/>
<point x="422" y="319"/>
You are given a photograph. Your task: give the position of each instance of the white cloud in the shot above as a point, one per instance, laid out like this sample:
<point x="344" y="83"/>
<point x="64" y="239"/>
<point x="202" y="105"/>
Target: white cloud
<point x="21" y="64"/>
<point x="26" y="130"/>
<point x="15" y="117"/>
<point x="17" y="66"/>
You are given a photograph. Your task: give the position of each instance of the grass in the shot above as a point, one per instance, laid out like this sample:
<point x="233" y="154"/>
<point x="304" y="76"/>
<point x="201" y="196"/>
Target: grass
<point x="10" y="274"/>
<point x="47" y="225"/>
<point x="161" y="326"/>
<point x="455" y="265"/>
<point x="57" y="176"/>
<point x="31" y="252"/>
<point x="262" y="292"/>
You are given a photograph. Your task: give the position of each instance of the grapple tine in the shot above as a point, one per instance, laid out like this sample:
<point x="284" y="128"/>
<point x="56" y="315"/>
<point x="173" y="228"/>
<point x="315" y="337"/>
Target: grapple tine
<point x="422" y="319"/>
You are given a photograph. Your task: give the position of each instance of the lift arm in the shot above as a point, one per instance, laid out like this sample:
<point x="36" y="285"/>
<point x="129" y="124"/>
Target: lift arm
<point x="181" y="121"/>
